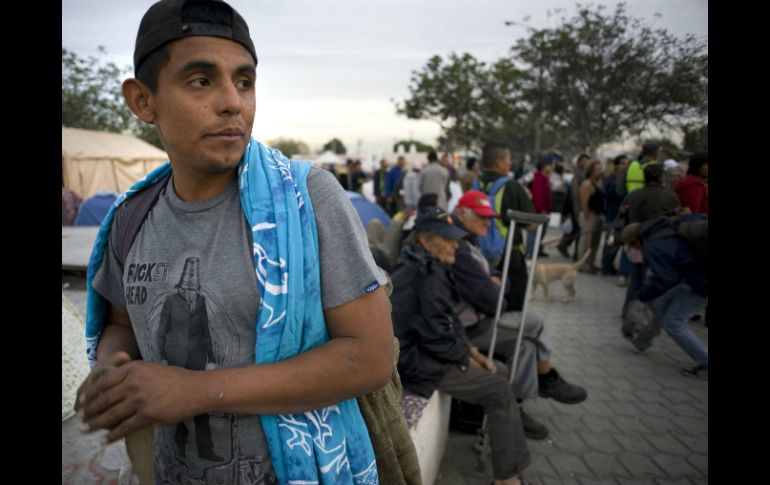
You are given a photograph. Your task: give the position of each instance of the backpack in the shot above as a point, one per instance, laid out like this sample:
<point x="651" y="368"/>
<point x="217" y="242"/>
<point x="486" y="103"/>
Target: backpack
<point x="493" y="244"/>
<point x="130" y="216"/>
<point x="692" y="228"/>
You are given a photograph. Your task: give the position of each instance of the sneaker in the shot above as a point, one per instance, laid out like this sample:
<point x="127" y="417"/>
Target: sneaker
<point x="563" y="251"/>
<point x="622" y="282"/>
<point x="627" y="330"/>
<point x="562" y="391"/>
<point x="534" y="429"/>
<point x="543" y="254"/>
<point x="641" y="344"/>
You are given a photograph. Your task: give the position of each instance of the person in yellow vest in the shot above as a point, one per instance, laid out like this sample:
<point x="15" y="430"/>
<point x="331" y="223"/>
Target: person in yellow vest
<point x="635" y="173"/>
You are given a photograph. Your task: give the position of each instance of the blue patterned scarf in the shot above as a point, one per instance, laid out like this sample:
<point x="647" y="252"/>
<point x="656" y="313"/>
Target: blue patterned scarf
<point x="325" y="446"/>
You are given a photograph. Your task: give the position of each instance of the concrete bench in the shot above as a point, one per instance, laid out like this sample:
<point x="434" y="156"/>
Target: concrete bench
<point x="428" y="421"/>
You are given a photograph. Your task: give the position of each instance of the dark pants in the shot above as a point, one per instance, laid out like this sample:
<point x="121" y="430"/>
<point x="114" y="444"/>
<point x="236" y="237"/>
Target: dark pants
<point x="510" y="454"/>
<point x="517" y="281"/>
<point x="636" y="273"/>
<point x="574" y="236"/>
<point x="609" y="252"/>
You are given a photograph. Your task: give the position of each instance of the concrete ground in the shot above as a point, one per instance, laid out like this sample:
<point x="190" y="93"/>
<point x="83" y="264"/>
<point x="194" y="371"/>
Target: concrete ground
<point x="643" y="422"/>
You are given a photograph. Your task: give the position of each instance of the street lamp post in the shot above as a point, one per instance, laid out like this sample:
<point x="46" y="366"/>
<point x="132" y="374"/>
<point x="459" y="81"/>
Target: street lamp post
<point x="540" y="113"/>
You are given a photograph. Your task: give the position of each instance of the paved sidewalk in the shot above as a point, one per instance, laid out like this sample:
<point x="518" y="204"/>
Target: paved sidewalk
<point x="643" y="422"/>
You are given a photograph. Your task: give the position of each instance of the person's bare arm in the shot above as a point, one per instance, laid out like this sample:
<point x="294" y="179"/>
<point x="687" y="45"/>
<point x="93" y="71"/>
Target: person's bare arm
<point x="585" y="194"/>
<point x="357" y="359"/>
<point x="117" y="337"/>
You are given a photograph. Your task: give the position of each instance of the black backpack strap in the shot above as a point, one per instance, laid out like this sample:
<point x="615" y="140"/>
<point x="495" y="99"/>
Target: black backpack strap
<point x="131" y="215"/>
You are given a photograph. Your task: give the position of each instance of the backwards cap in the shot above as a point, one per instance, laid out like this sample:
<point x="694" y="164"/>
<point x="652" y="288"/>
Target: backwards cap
<point x="169" y="20"/>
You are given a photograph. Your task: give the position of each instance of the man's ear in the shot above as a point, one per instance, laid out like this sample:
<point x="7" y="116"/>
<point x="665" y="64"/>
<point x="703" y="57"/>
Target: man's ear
<point x="139" y="99"/>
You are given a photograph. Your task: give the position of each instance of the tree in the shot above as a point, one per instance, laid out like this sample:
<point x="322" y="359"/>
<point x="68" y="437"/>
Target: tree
<point x="569" y="88"/>
<point x="696" y="138"/>
<point x="91" y="95"/>
<point x="92" y="98"/>
<point x="446" y="93"/>
<point x="335" y="146"/>
<point x="421" y="147"/>
<point x="598" y="74"/>
<point x="289" y="146"/>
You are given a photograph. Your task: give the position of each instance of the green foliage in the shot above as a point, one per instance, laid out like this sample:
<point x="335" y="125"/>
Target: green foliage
<point x="571" y="87"/>
<point x="335" y="146"/>
<point x="598" y="74"/>
<point x="464" y="96"/>
<point x="91" y="95"/>
<point x="92" y="98"/>
<point x="696" y="138"/>
<point x="421" y="147"/>
<point x="289" y="146"/>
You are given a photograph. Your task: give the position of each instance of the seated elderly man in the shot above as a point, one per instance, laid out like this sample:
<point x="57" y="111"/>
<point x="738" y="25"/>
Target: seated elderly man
<point x="479" y="290"/>
<point x="435" y="352"/>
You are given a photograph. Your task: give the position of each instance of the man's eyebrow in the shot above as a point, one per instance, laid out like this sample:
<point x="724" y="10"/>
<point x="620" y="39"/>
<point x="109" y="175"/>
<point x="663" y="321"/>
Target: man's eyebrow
<point x="198" y="65"/>
<point x="201" y="65"/>
<point x="246" y="69"/>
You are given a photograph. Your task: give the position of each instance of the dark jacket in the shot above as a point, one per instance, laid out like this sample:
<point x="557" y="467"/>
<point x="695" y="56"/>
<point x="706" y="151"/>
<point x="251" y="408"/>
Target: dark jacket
<point x="612" y="197"/>
<point x="671" y="261"/>
<point x="651" y="201"/>
<point x="431" y="337"/>
<point x="474" y="284"/>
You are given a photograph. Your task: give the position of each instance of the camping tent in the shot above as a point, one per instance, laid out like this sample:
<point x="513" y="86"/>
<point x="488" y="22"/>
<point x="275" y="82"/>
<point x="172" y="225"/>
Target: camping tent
<point x="328" y="157"/>
<point x="94" y="161"/>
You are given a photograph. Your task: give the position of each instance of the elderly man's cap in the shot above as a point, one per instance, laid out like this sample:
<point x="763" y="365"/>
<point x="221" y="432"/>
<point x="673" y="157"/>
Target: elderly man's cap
<point x="436" y="220"/>
<point x="169" y="20"/>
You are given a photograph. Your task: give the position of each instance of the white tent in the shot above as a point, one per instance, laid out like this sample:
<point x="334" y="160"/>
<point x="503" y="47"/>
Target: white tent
<point x="328" y="157"/>
<point x="92" y="161"/>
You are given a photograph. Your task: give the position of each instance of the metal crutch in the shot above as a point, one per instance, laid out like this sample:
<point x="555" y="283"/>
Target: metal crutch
<point x="521" y="218"/>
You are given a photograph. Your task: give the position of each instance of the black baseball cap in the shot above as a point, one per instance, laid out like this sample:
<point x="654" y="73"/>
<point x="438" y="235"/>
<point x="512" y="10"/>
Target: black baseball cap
<point x="169" y="20"/>
<point x="433" y="219"/>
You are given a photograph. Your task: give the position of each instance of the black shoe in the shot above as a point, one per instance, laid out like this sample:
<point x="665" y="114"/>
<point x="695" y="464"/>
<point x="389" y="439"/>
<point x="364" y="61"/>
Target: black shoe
<point x="560" y="390"/>
<point x="697" y="371"/>
<point x="587" y="270"/>
<point x="533" y="429"/>
<point x="543" y="254"/>
<point x="563" y="251"/>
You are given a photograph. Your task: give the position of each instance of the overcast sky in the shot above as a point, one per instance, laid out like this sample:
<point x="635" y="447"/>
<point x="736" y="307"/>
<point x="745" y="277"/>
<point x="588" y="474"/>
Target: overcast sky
<point x="330" y="68"/>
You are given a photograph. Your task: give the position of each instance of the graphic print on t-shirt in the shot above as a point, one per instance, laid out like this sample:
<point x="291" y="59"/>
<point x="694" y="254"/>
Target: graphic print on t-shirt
<point x="187" y="326"/>
<point x="185" y="341"/>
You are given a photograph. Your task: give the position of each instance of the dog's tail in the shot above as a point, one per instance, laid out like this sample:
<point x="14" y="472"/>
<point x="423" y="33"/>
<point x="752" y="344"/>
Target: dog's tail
<point x="580" y="262"/>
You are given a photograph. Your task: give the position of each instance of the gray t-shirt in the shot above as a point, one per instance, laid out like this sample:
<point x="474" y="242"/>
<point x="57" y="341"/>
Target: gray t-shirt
<point x="190" y="289"/>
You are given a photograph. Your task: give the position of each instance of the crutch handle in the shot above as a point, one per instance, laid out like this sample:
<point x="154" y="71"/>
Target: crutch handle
<point x="527" y="217"/>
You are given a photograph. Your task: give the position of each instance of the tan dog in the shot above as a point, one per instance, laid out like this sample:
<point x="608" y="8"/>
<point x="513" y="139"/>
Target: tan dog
<point x="566" y="272"/>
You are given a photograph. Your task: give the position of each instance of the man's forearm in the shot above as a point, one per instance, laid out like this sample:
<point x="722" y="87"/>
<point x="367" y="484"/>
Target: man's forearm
<point x="332" y="373"/>
<point x="116" y="338"/>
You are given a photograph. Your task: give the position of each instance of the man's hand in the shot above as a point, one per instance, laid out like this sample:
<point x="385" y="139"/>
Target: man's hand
<point x="102" y="367"/>
<point x="136" y="395"/>
<point x="477" y="359"/>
